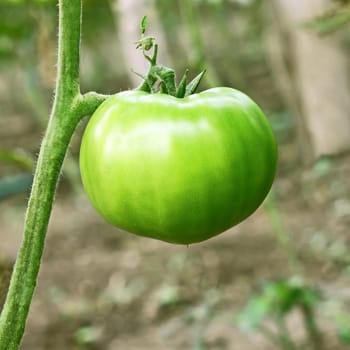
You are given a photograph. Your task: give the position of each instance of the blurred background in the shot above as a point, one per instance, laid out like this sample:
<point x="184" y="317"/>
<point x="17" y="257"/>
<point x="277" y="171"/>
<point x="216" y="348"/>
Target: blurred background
<point x="280" y="280"/>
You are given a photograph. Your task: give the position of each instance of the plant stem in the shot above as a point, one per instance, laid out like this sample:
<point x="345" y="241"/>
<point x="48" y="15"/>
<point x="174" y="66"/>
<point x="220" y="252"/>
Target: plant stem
<point x="68" y="108"/>
<point x="285" y="340"/>
<point x="269" y="335"/>
<point x="281" y="233"/>
<point x="314" y="333"/>
<point x="190" y="10"/>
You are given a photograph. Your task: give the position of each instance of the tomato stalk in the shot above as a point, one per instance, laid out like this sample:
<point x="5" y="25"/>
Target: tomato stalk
<point x="160" y="78"/>
<point x="68" y="108"/>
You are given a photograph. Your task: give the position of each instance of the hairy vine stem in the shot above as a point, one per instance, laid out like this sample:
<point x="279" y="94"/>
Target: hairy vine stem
<point x="68" y="108"/>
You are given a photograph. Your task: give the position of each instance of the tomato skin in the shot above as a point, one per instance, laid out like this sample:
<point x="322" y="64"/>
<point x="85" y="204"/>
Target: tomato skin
<point x="178" y="170"/>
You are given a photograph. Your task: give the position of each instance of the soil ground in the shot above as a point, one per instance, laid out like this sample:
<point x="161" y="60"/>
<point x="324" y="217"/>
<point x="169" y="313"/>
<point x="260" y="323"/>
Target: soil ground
<point x="100" y="288"/>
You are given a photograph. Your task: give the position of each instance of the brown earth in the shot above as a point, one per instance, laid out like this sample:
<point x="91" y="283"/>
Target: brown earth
<point x="100" y="288"/>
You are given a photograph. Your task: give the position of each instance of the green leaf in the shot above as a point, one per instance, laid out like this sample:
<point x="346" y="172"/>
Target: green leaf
<point x="287" y="294"/>
<point x="168" y="294"/>
<point x="330" y="22"/>
<point x="18" y="158"/>
<point x="343" y="328"/>
<point x="322" y="167"/>
<point x="14" y="184"/>
<point x="87" y="335"/>
<point x="254" y="313"/>
<point x="193" y="85"/>
<point x="276" y="299"/>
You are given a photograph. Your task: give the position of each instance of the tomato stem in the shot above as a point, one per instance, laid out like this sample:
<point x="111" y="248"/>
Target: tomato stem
<point x="161" y="79"/>
<point x="68" y="108"/>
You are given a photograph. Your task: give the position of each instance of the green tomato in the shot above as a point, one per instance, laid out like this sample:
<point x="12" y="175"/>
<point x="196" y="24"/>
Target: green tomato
<point x="178" y="170"/>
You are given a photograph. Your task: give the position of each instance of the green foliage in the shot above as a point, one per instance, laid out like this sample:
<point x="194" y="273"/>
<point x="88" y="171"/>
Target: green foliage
<point x="87" y="335"/>
<point x="343" y="327"/>
<point x="97" y="17"/>
<point x="322" y="167"/>
<point x="26" y="2"/>
<point x="283" y="124"/>
<point x="18" y="158"/>
<point x="13" y="28"/>
<point x="331" y="21"/>
<point x="242" y="3"/>
<point x="14" y="184"/>
<point x="19" y="23"/>
<point x="276" y="300"/>
<point x="17" y="26"/>
<point x="161" y="78"/>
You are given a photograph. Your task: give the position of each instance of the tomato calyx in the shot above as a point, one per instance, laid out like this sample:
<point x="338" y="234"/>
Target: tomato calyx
<point x="161" y="79"/>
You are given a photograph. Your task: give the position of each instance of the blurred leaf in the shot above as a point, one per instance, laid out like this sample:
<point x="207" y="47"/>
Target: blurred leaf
<point x="338" y="250"/>
<point x="277" y="298"/>
<point x="322" y="167"/>
<point x="18" y="158"/>
<point x="7" y="47"/>
<point x="19" y="21"/>
<point x="282" y="124"/>
<point x="121" y="291"/>
<point x="14" y="24"/>
<point x="168" y="295"/>
<point x="287" y="294"/>
<point x="14" y="184"/>
<point x="98" y="16"/>
<point x="243" y="3"/>
<point x="343" y="327"/>
<point x="331" y="21"/>
<point x="87" y="335"/>
<point x="254" y="313"/>
<point x="25" y="2"/>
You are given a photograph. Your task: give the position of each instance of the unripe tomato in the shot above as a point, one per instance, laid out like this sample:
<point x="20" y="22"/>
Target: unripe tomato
<point x="178" y="170"/>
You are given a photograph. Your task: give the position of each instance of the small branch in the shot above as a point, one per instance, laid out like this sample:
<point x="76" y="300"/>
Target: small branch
<point x="160" y="78"/>
<point x="314" y="333"/>
<point x="281" y="233"/>
<point x="285" y="339"/>
<point x="87" y="104"/>
<point x="269" y="335"/>
<point x="155" y="55"/>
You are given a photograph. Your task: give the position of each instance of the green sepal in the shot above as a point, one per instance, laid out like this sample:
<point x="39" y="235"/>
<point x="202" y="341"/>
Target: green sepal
<point x="181" y="89"/>
<point x="162" y="88"/>
<point x="159" y="78"/>
<point x="167" y="77"/>
<point x="147" y="84"/>
<point x="193" y="85"/>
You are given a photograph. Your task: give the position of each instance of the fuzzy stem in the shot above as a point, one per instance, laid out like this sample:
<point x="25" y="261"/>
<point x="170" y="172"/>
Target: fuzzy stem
<point x="68" y="108"/>
<point x="285" y="340"/>
<point x="282" y="234"/>
<point x="314" y="333"/>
